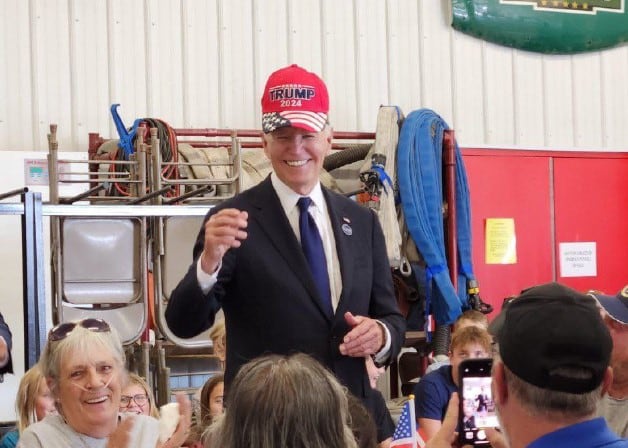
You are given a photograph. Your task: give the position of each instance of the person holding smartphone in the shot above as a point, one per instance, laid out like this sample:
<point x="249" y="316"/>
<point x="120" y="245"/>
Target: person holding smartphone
<point x="551" y="373"/>
<point x="477" y="408"/>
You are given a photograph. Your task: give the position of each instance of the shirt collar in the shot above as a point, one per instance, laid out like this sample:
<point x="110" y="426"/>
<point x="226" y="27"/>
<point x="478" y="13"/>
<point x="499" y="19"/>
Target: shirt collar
<point x="289" y="197"/>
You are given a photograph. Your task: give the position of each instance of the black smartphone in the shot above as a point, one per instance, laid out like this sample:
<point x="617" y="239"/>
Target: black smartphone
<point x="477" y="407"/>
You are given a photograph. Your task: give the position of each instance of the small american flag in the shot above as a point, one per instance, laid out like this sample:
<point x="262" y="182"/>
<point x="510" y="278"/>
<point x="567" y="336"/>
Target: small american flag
<point x="406" y="435"/>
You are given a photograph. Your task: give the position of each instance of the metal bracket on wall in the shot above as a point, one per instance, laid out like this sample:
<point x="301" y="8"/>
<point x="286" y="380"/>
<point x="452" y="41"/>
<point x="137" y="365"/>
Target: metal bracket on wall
<point x="33" y="289"/>
<point x="33" y="278"/>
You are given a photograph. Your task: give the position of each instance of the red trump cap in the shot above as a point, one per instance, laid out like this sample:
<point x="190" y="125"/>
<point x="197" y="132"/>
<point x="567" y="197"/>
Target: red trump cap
<point x="294" y="97"/>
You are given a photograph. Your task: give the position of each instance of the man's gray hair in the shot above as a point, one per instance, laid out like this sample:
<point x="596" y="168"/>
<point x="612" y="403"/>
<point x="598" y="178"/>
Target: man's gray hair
<point x="551" y="404"/>
<point x="283" y="401"/>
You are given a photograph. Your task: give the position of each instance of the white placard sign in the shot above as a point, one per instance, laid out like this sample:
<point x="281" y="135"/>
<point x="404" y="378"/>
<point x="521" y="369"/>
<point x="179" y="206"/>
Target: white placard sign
<point x="578" y="259"/>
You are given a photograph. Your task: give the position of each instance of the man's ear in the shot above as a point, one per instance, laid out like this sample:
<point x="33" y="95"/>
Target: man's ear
<point x="499" y="385"/>
<point x="265" y="138"/>
<point x="328" y="138"/>
<point x="607" y="381"/>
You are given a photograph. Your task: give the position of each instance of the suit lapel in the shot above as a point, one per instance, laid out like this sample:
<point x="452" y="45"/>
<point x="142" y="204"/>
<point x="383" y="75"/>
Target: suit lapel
<point x="274" y="222"/>
<point x="342" y="227"/>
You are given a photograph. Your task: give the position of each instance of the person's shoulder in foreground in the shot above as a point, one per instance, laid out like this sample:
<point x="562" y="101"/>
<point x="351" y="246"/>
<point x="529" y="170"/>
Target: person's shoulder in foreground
<point x="10" y="439"/>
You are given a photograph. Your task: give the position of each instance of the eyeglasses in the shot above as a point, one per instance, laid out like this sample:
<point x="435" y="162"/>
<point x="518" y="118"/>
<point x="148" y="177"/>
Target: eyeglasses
<point x="61" y="331"/>
<point x="139" y="399"/>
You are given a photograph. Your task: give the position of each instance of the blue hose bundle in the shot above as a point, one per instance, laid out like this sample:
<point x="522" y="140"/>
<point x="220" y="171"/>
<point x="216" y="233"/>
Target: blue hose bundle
<point x="419" y="175"/>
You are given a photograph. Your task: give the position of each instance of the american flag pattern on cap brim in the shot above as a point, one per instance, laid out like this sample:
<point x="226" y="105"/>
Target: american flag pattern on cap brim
<point x="311" y="121"/>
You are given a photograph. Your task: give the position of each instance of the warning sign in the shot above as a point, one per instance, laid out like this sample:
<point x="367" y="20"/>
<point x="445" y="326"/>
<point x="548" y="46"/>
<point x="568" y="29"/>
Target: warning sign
<point x="578" y="259"/>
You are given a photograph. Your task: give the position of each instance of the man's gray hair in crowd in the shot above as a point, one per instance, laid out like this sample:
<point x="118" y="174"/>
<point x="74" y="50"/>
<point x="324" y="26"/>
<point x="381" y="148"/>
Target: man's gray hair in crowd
<point x="555" y="405"/>
<point x="284" y="401"/>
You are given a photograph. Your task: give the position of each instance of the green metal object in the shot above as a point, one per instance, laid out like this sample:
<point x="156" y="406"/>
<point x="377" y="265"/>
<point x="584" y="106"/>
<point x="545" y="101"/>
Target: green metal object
<point x="544" y="26"/>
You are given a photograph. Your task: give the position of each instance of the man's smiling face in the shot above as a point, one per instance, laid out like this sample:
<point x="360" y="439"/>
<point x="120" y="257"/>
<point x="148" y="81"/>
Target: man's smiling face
<point x="297" y="155"/>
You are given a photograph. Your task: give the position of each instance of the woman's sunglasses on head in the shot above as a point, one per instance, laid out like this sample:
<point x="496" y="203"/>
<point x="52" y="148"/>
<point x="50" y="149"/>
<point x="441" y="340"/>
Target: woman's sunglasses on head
<point x="61" y="331"/>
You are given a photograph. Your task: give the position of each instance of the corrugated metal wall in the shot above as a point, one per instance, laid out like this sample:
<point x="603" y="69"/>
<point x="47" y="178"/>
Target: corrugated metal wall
<point x="203" y="63"/>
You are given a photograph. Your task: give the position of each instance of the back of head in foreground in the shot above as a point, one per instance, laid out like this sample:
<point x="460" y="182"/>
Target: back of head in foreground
<point x="283" y="401"/>
<point x="555" y="351"/>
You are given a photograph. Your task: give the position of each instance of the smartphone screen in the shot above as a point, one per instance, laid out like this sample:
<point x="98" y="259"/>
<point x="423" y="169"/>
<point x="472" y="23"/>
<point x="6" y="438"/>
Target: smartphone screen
<point x="477" y="407"/>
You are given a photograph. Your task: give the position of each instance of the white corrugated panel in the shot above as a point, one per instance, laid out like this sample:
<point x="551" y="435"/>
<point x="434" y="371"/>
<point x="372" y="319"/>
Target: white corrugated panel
<point x="235" y="33"/>
<point x="498" y="95"/>
<point x="435" y="51"/>
<point x="615" y="98"/>
<point x="558" y="101"/>
<point x="273" y="23"/>
<point x="468" y="89"/>
<point x="301" y="35"/>
<point x="16" y="119"/>
<point x="52" y="92"/>
<point x="200" y="65"/>
<point x="339" y="62"/>
<point x="203" y="63"/>
<point x="89" y="74"/>
<point x="587" y="100"/>
<point x="529" y="112"/>
<point x="372" y="80"/>
<point x="126" y="54"/>
<point x="164" y="73"/>
<point x="404" y="60"/>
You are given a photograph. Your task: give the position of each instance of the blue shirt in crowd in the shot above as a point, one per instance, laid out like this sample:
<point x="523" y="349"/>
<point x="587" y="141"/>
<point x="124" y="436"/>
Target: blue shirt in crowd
<point x="432" y="393"/>
<point x="590" y="434"/>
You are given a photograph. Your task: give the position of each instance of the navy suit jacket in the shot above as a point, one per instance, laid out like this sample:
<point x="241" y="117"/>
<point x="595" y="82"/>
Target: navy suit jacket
<point x="268" y="295"/>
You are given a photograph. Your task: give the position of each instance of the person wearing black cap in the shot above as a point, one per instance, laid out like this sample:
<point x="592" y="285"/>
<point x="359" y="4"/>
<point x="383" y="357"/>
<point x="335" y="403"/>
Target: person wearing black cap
<point x="294" y="266"/>
<point x="614" y="406"/>
<point x="552" y="370"/>
<point x="550" y="374"/>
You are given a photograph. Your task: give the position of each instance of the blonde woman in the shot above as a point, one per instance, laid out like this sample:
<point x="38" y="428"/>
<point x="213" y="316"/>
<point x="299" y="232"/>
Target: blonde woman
<point x="137" y="397"/>
<point x="34" y="401"/>
<point x="83" y="362"/>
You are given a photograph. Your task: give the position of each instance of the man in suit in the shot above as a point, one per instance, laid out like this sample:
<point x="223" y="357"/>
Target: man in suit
<point x="6" y="363"/>
<point x="249" y="260"/>
<point x="482" y="401"/>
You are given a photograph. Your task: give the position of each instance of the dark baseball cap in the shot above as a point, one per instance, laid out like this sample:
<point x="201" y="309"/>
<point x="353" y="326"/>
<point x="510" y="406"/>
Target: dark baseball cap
<point x="551" y="326"/>
<point x="498" y="321"/>
<point x="616" y="306"/>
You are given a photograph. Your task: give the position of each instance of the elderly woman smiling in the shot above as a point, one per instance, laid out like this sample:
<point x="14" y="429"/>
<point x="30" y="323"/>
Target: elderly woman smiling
<point x="83" y="363"/>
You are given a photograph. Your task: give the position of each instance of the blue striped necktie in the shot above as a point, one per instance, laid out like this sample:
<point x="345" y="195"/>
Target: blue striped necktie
<point x="312" y="245"/>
